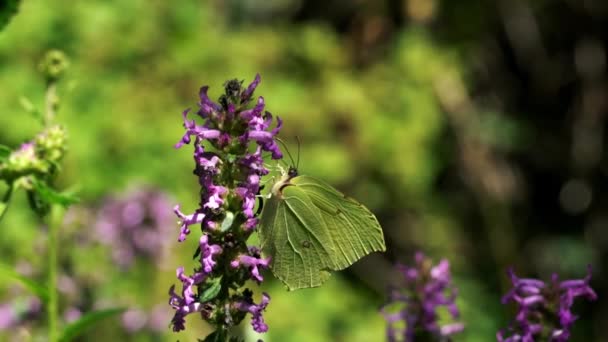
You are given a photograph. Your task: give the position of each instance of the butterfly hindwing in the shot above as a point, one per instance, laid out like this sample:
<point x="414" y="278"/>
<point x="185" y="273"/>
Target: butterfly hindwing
<point x="293" y="233"/>
<point x="355" y="231"/>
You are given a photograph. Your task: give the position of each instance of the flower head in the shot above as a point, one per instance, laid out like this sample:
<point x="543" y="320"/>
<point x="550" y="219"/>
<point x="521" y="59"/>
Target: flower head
<point x="544" y="308"/>
<point x="426" y="288"/>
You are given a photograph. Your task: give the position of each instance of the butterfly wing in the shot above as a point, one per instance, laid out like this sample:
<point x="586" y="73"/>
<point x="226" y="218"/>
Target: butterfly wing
<point x="292" y="232"/>
<point x="355" y="231"/>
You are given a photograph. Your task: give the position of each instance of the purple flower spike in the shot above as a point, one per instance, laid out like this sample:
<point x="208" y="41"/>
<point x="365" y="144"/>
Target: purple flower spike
<point x="544" y="309"/>
<point x="426" y="288"/>
<point x="230" y="178"/>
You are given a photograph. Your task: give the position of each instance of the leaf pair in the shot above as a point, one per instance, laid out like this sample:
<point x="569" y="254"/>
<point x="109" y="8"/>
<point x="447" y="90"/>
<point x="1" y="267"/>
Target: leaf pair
<point x="309" y="229"/>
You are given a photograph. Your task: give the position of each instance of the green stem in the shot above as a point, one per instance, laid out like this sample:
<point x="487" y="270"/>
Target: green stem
<point x="55" y="219"/>
<point x="50" y="103"/>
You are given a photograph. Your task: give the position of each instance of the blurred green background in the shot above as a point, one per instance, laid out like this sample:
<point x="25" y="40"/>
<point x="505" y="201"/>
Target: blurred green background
<point x="475" y="132"/>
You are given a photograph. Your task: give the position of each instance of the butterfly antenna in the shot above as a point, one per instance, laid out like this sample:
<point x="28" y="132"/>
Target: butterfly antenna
<point x="298" y="162"/>
<point x="287" y="150"/>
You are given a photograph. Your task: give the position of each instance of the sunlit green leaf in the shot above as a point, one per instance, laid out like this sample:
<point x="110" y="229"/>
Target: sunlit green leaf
<point x="50" y="196"/>
<point x="7" y="272"/>
<point x="212" y="291"/>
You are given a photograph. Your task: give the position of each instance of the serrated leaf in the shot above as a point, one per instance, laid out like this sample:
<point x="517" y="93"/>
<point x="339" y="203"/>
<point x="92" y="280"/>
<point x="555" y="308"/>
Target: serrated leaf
<point x="212" y="291"/>
<point x="40" y="291"/>
<point x="49" y="195"/>
<point x="85" y="322"/>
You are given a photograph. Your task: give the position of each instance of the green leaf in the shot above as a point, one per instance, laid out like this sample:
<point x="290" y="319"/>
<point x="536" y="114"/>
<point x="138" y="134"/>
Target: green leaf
<point x="5" y="151"/>
<point x="219" y="335"/>
<point x="50" y="196"/>
<point x="197" y="252"/>
<point x="212" y="291"/>
<point x="8" y="8"/>
<point x="40" y="291"/>
<point x="85" y="322"/>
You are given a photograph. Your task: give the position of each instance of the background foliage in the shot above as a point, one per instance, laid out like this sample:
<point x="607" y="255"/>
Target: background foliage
<point x="474" y="132"/>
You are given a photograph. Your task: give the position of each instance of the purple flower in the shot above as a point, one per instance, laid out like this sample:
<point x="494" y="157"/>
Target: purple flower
<point x="266" y="138"/>
<point x="426" y="288"/>
<point x="213" y="195"/>
<point x="207" y="107"/>
<point x="182" y="309"/>
<point x="186" y="221"/>
<point x="544" y="309"/>
<point x="246" y="95"/>
<point x="207" y="253"/>
<point x="257" y="321"/>
<point x="252" y="263"/>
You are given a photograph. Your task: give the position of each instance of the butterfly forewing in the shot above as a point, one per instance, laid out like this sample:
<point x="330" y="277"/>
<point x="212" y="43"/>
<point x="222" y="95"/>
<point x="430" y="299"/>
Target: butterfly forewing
<point x="355" y="231"/>
<point x="293" y="233"/>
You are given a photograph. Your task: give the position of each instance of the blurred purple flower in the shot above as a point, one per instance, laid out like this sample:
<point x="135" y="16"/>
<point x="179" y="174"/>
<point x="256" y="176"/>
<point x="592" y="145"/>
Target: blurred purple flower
<point x="135" y="225"/>
<point x="426" y="288"/>
<point x="8" y="316"/>
<point x="544" y="309"/>
<point x="153" y="321"/>
<point x="134" y="320"/>
<point x="72" y="314"/>
<point x="19" y="311"/>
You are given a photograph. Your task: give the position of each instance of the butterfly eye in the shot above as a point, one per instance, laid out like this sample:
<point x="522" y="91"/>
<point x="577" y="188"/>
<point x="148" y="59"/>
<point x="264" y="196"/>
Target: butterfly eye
<point x="306" y="244"/>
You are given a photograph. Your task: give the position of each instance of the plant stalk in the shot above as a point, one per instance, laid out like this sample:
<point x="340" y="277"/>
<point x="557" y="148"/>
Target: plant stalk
<point x="55" y="219"/>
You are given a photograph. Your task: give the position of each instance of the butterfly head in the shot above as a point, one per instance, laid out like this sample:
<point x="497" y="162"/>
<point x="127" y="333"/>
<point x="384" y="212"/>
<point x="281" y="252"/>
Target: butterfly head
<point x="292" y="172"/>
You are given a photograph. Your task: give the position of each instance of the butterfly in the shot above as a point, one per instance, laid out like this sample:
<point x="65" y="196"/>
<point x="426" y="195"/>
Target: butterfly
<point x="309" y="229"/>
